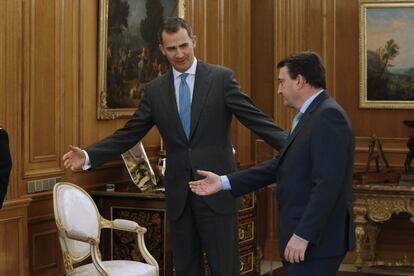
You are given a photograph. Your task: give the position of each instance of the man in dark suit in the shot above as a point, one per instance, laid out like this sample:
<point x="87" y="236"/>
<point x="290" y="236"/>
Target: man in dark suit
<point x="196" y="136"/>
<point x="313" y="174"/>
<point x="5" y="164"/>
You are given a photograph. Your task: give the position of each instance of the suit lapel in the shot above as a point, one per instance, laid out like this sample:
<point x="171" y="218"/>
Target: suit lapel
<point x="302" y="123"/>
<point x="200" y="94"/>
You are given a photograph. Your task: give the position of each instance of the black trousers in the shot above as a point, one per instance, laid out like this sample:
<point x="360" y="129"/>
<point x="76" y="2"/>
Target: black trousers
<point x="199" y="230"/>
<point x="314" y="267"/>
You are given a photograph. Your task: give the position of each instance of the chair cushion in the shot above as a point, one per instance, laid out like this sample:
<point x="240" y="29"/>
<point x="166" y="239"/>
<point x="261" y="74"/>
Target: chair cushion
<point x="77" y="211"/>
<point x="118" y="268"/>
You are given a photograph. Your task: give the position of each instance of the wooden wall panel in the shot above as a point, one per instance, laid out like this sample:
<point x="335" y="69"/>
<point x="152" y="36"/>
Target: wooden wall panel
<point x="11" y="42"/>
<point x="71" y="95"/>
<point x="45" y="242"/>
<point x="13" y="238"/>
<point x="13" y="215"/>
<point x="214" y="32"/>
<point x="9" y="257"/>
<point x="262" y="45"/>
<point x="43" y="86"/>
<point x="46" y="257"/>
<point x="238" y="36"/>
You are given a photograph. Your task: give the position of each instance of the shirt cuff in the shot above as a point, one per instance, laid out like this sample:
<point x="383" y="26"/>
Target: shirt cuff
<point x="225" y="182"/>
<point x="87" y="165"/>
<point x="300" y="238"/>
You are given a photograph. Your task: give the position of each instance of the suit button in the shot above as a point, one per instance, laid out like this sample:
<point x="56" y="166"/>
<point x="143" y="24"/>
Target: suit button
<point x="190" y="149"/>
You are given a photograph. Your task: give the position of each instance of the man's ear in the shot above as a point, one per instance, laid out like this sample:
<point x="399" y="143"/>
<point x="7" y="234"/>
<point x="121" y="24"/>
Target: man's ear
<point x="300" y="81"/>
<point x="161" y="49"/>
<point x="194" y="39"/>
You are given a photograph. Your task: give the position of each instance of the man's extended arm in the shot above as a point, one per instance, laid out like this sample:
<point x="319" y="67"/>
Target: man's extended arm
<point x="251" y="117"/>
<point x="114" y="145"/>
<point x="242" y="182"/>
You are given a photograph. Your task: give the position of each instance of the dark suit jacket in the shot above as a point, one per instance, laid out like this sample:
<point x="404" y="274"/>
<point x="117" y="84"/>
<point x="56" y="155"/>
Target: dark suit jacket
<point x="314" y="181"/>
<point x="216" y="98"/>
<point x="5" y="164"/>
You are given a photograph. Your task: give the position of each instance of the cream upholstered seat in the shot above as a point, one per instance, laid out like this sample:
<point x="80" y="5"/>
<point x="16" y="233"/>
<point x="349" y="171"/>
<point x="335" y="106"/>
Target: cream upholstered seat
<point x="79" y="224"/>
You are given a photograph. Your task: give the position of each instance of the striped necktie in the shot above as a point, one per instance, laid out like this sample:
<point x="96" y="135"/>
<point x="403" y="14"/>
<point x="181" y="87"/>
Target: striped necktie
<point x="185" y="104"/>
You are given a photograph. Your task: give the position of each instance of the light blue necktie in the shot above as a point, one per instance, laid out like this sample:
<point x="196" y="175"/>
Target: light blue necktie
<point x="185" y="104"/>
<point x="296" y="120"/>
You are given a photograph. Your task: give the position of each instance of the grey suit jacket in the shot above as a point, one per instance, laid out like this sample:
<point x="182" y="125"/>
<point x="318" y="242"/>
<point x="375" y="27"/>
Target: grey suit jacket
<point x="314" y="181"/>
<point x="216" y="98"/>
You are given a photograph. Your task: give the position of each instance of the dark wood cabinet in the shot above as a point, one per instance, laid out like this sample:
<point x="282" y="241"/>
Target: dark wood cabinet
<point x="148" y="210"/>
<point x="249" y="259"/>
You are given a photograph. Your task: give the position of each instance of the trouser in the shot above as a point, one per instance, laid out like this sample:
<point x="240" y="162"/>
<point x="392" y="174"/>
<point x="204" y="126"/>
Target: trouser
<point x="314" y="267"/>
<point x="199" y="229"/>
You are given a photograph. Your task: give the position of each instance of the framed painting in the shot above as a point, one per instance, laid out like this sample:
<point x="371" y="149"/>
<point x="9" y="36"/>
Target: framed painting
<point x="386" y="39"/>
<point x="129" y="56"/>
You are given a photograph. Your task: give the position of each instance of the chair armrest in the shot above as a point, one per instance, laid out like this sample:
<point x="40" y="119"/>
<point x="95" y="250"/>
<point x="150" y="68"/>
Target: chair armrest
<point x="80" y="236"/>
<point x="128" y="225"/>
<point x="94" y="248"/>
<point x="132" y="226"/>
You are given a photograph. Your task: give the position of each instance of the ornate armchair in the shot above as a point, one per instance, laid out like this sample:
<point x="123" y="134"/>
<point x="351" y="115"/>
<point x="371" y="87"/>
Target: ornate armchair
<point x="79" y="224"/>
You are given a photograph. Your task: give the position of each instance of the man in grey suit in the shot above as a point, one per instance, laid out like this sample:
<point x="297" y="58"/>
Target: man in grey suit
<point x="313" y="174"/>
<point x="192" y="105"/>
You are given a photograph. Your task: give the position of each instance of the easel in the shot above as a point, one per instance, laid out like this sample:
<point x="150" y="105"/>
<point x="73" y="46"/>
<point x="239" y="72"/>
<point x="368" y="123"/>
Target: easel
<point x="376" y="153"/>
<point x="382" y="172"/>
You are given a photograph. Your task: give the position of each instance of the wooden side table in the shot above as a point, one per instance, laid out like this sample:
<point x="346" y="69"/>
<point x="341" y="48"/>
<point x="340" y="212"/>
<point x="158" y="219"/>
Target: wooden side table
<point x="373" y="205"/>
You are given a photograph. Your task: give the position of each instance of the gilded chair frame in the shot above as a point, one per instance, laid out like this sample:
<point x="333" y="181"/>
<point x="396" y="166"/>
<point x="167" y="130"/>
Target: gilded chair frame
<point x="72" y="234"/>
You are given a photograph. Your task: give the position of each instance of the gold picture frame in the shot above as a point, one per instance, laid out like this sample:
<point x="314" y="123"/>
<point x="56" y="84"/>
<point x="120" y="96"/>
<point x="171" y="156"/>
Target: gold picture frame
<point x="386" y="61"/>
<point x="128" y="55"/>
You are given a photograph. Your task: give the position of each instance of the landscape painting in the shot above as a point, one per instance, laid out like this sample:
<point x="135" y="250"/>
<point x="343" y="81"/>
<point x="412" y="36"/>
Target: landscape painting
<point x="129" y="55"/>
<point x="387" y="55"/>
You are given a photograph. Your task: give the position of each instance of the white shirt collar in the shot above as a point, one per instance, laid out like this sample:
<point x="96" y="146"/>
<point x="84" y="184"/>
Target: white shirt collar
<point x="190" y="71"/>
<point x="307" y="103"/>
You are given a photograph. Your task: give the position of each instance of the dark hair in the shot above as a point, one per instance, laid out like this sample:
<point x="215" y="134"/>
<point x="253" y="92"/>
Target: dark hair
<point x="307" y="64"/>
<point x="173" y="25"/>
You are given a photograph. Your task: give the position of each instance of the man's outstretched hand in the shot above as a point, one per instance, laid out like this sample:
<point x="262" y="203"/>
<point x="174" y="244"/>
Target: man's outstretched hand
<point x="74" y="159"/>
<point x="211" y="184"/>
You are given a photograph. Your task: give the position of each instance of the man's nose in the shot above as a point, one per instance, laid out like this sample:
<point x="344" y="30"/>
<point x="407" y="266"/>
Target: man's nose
<point x="179" y="54"/>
